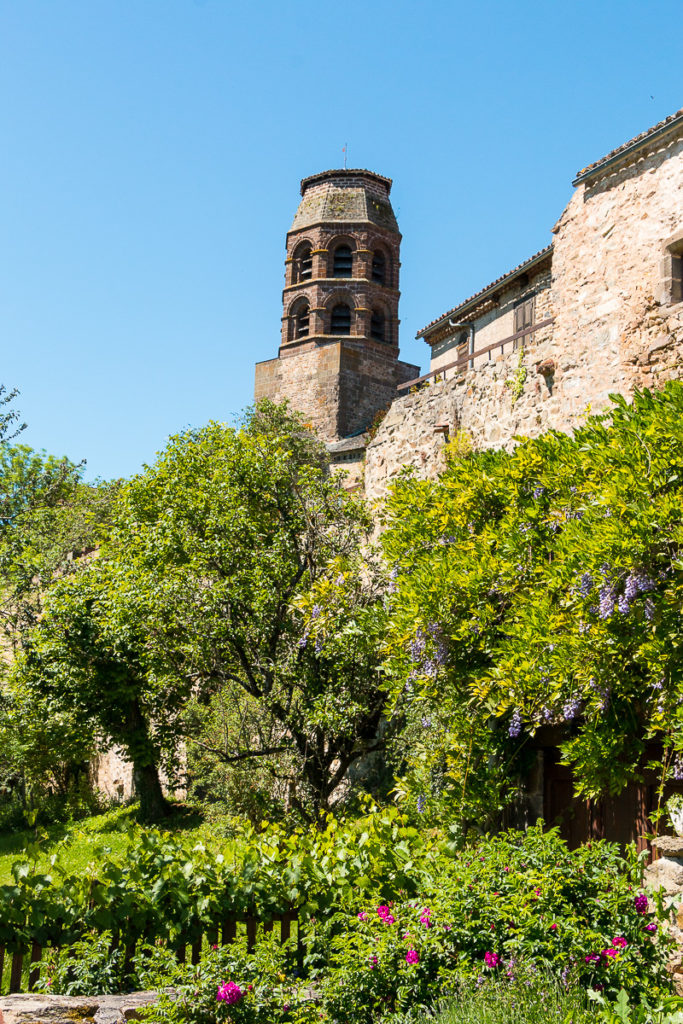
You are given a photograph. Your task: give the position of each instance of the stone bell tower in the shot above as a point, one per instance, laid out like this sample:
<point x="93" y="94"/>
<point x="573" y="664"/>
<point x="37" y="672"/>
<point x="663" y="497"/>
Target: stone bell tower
<point x="338" y="358"/>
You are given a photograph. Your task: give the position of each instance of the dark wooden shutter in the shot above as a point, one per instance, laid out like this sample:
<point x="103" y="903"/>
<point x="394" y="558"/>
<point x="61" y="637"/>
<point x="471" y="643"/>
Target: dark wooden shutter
<point x="677" y="279"/>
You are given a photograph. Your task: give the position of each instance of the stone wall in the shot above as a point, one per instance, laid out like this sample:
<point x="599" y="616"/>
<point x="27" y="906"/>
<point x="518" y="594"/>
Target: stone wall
<point x="309" y="378"/>
<point x="338" y="386"/>
<point x="615" y="329"/>
<point x="607" y="288"/>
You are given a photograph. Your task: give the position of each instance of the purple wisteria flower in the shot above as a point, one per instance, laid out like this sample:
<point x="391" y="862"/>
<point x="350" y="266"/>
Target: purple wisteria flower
<point x="421" y="802"/>
<point x="607" y="598"/>
<point x="515" y="727"/>
<point x="417" y="646"/>
<point x="571" y="708"/>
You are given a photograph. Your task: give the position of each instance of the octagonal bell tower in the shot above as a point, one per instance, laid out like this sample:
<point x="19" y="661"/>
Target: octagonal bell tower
<point x="338" y="357"/>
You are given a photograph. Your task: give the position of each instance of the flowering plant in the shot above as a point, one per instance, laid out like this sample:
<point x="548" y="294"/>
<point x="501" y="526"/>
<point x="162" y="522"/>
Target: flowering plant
<point x="534" y="588"/>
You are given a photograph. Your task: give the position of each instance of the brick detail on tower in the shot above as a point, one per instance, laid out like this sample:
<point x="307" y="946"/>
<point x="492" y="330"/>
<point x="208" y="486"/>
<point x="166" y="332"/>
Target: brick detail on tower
<point x="338" y="359"/>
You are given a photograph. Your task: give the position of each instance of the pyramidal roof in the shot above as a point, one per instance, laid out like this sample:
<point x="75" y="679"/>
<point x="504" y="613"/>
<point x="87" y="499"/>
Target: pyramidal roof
<point x="345" y="196"/>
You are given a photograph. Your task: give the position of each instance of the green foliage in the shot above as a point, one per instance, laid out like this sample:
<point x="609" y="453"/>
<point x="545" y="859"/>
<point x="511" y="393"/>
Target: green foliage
<point x="666" y="1010"/>
<point x="49" y="518"/>
<point x="520" y="897"/>
<point x="516" y="900"/>
<point x="88" y="966"/>
<point x="540" y="588"/>
<point x="269" y="991"/>
<point x="205" y="592"/>
<point x="531" y="997"/>
<point x="516" y="383"/>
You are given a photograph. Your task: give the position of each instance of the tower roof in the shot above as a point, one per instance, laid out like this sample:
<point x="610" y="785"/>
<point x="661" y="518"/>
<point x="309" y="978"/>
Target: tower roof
<point x="348" y="196"/>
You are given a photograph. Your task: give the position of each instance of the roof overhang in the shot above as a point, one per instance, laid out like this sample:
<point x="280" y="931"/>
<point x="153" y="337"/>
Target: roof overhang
<point x="486" y="294"/>
<point x="659" y="133"/>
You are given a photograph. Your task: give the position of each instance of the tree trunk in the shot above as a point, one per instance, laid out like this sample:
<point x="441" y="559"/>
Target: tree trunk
<point x="153" y="805"/>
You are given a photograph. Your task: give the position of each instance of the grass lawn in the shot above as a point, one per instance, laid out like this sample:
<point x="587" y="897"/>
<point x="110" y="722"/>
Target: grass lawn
<point x="79" y="843"/>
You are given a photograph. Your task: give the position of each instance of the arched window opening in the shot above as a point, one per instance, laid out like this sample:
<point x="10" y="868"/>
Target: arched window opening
<point x="379" y="268"/>
<point x="303" y="264"/>
<point x="378" y="326"/>
<point x="301" y="321"/>
<point x="342" y="264"/>
<point x="306" y="264"/>
<point x="340" y="321"/>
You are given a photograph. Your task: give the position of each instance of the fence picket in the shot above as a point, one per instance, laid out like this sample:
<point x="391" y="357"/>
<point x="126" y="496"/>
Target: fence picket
<point x="226" y="934"/>
<point x="15" y="973"/>
<point x="36" y="957"/>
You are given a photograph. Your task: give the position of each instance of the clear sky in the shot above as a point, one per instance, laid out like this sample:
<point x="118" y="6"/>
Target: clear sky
<point x="150" y="158"/>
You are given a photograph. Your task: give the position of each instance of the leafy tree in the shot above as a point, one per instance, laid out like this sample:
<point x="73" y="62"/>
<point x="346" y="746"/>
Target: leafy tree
<point x="542" y="587"/>
<point x="233" y="568"/>
<point x="49" y="518"/>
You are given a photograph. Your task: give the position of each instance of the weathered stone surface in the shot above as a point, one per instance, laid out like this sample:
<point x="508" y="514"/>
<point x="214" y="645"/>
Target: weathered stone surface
<point x="37" y="1008"/>
<point x="615" y="329"/>
<point x="669" y="846"/>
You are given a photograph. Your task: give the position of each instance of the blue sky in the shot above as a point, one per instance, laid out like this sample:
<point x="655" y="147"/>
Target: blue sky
<point x="151" y="152"/>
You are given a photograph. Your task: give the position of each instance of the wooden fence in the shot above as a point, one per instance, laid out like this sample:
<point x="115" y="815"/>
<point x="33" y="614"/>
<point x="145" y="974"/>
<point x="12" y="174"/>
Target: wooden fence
<point x="23" y="969"/>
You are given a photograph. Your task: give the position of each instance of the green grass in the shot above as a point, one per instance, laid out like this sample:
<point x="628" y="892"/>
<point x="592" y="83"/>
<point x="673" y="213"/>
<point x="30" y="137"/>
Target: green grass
<point x="79" y="843"/>
<point x="526" y="1001"/>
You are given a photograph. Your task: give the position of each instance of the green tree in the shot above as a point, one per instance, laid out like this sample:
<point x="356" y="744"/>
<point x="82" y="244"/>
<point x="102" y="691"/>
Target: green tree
<point x="49" y="518"/>
<point x="233" y="568"/>
<point x="543" y="587"/>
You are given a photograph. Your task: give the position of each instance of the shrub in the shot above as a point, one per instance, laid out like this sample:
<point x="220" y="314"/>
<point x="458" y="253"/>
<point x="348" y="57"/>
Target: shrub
<point x="231" y="985"/>
<point x="515" y="900"/>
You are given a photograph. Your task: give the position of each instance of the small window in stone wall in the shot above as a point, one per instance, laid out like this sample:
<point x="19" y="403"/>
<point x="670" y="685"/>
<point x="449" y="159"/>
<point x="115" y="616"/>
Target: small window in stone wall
<point x="378" y="326"/>
<point x="379" y="268"/>
<point x="306" y="265"/>
<point x="672" y="270"/>
<point x="301" y="322"/>
<point x="342" y="263"/>
<point x="302" y="269"/>
<point x="340" y="320"/>
<point x="677" y="278"/>
<point x="524" y="317"/>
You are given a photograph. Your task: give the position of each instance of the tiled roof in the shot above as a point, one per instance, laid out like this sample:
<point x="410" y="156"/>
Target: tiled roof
<point x="481" y="295"/>
<point x="665" y="127"/>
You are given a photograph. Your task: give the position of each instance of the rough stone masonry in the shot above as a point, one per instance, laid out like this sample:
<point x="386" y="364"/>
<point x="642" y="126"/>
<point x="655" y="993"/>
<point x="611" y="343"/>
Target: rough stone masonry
<point x="615" y="297"/>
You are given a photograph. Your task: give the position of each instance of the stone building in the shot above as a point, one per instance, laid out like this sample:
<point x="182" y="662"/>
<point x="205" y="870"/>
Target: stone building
<point x="597" y="311"/>
<point x="338" y="358"/>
